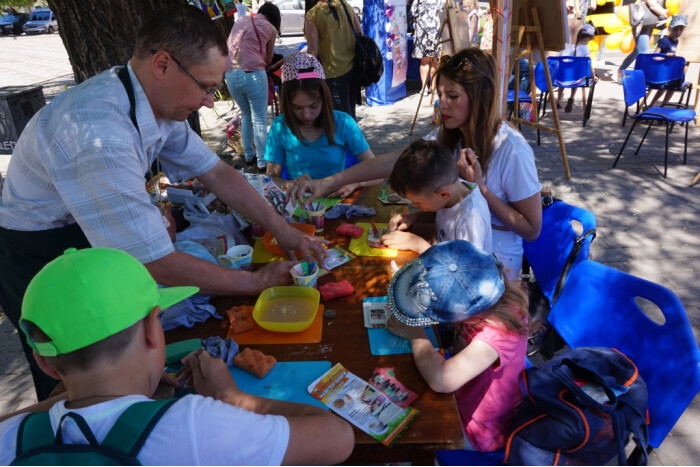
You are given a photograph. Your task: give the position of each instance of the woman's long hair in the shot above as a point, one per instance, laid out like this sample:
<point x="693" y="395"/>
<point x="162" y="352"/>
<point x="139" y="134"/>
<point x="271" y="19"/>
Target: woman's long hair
<point x="510" y="312"/>
<point x="316" y="88"/>
<point x="475" y="70"/>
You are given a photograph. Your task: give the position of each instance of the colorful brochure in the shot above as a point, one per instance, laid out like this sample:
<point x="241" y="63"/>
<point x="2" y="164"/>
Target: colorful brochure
<point x="376" y="311"/>
<point x="362" y="404"/>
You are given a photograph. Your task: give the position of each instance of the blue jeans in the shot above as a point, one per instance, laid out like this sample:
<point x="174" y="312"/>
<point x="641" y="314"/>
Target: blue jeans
<point x="641" y="46"/>
<point x="249" y="90"/>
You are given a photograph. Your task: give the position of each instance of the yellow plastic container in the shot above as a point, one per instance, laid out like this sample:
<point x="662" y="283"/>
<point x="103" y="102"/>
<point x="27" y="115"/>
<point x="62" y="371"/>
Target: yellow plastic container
<point x="286" y="308"/>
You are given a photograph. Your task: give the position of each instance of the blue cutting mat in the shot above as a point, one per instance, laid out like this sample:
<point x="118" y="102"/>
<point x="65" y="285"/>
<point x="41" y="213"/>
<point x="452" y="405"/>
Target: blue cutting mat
<point x="383" y="342"/>
<point x="287" y="381"/>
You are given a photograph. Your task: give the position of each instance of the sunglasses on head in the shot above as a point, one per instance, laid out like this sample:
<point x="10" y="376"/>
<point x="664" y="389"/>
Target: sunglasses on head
<point x="457" y="62"/>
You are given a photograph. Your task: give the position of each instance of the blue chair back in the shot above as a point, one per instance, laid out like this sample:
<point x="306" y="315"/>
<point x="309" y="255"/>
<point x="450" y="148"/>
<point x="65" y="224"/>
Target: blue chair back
<point x="571" y="70"/>
<point x="541" y="78"/>
<point x="633" y="86"/>
<point x="598" y="308"/>
<point x="548" y="254"/>
<point x="660" y="69"/>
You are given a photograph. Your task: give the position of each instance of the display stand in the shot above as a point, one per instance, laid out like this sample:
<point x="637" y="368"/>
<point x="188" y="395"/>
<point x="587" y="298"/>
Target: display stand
<point x="527" y="21"/>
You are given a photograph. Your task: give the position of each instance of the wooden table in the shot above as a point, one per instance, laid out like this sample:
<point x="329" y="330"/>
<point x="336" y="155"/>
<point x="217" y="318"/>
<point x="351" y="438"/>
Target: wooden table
<point x="345" y="340"/>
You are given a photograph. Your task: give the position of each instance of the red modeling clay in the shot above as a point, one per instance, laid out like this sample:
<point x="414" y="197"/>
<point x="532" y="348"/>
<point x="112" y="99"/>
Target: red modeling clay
<point x="351" y="230"/>
<point x="336" y="289"/>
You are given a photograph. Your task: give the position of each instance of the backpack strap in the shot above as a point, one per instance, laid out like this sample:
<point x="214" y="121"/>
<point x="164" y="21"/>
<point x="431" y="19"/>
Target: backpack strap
<point x="34" y="431"/>
<point x="132" y="428"/>
<point x="578" y="242"/>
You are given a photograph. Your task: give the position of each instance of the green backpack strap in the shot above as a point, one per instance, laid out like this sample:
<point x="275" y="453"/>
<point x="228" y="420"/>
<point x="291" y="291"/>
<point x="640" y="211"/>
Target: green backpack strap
<point x="132" y="428"/>
<point x="34" y="431"/>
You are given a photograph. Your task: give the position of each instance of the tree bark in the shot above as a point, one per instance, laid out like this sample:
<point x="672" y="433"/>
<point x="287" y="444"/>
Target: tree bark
<point x="101" y="34"/>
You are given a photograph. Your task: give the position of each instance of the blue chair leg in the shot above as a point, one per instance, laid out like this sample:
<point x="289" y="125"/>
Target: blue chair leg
<point x="625" y="143"/>
<point x="645" y="137"/>
<point x="668" y="129"/>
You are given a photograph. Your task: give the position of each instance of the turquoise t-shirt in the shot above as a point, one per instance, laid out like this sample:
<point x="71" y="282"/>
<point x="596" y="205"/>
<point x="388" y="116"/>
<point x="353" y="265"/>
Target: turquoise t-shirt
<point x="319" y="159"/>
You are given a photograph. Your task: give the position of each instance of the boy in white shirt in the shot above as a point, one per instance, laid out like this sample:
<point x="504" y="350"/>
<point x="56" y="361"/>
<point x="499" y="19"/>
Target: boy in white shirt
<point x="91" y="318"/>
<point x="426" y="174"/>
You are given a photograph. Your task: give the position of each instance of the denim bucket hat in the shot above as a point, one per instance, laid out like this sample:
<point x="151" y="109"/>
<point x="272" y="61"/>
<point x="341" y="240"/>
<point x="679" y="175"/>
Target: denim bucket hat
<point x="449" y="282"/>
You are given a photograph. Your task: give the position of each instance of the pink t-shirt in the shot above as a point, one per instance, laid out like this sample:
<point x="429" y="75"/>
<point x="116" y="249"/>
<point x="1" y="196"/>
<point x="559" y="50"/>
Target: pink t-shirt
<point x="487" y="403"/>
<point x="244" y="49"/>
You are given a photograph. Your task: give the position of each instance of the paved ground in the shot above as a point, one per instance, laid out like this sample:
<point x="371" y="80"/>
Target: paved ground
<point x="647" y="226"/>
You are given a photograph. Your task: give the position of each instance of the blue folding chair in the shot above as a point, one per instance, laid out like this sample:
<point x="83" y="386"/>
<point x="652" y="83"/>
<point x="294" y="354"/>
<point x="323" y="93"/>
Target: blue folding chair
<point x="598" y="308"/>
<point x="634" y="89"/>
<point x="560" y="246"/>
<point x="541" y="83"/>
<point x="575" y="72"/>
<point x="664" y="72"/>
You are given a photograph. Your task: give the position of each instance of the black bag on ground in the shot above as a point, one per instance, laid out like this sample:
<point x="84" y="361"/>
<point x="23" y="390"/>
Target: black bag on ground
<point x="369" y="64"/>
<point x="581" y="409"/>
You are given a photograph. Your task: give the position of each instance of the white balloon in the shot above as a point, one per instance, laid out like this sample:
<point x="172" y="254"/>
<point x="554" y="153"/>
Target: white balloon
<point x="389" y="56"/>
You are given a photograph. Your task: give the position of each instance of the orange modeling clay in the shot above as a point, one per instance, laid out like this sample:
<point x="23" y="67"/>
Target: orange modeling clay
<point x="240" y="319"/>
<point x="254" y="362"/>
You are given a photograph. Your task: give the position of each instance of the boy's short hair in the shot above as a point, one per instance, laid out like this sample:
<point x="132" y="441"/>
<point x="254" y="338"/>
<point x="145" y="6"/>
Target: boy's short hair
<point x="423" y="166"/>
<point x="85" y="296"/>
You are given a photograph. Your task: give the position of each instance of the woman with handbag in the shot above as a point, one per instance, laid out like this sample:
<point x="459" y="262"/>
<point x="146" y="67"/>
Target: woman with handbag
<point x="330" y="35"/>
<point x="644" y="16"/>
<point x="251" y="45"/>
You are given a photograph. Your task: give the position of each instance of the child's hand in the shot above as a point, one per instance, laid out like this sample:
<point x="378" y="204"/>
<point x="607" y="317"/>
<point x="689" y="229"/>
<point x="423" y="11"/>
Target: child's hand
<point x="409" y="333"/>
<point x="208" y="376"/>
<point x="400" y="240"/>
<point x="400" y="222"/>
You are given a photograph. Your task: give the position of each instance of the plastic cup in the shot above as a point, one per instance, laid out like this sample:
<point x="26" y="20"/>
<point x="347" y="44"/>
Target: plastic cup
<point x="301" y="277"/>
<point x="241" y="257"/>
<point x="316" y="215"/>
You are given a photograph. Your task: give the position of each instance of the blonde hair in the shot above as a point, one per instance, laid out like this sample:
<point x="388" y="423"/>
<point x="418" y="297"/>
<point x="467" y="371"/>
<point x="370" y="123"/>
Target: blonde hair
<point x="511" y="312"/>
<point x="475" y="70"/>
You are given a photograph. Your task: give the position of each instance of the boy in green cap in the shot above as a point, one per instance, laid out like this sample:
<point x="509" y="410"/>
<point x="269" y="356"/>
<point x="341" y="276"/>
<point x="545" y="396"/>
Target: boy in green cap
<point x="91" y="318"/>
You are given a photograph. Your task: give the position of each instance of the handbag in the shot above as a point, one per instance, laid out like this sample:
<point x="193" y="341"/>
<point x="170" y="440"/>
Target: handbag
<point x="641" y="14"/>
<point x="369" y="63"/>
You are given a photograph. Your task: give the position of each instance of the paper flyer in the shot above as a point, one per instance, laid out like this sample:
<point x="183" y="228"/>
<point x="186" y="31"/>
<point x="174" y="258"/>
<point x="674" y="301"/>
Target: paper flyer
<point x="363" y="405"/>
<point x="375" y="311"/>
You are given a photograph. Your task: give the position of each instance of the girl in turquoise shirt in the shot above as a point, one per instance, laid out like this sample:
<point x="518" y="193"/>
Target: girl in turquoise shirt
<point x="309" y="137"/>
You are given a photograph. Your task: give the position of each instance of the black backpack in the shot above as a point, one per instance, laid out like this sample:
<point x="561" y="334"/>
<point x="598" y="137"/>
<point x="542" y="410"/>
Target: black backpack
<point x="369" y="64"/>
<point x="581" y="408"/>
<point x="37" y="444"/>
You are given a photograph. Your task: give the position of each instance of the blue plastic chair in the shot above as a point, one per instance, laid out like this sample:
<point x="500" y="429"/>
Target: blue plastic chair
<point x="634" y="88"/>
<point x="510" y="99"/>
<point x="598" y="308"/>
<point x="664" y="72"/>
<point x="549" y="254"/>
<point x="541" y="82"/>
<point x="575" y="72"/>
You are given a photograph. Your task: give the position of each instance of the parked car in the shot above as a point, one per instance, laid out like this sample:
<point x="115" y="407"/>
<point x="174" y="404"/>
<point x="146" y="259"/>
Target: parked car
<point x="42" y="20"/>
<point x="10" y="24"/>
<point x="292" y="12"/>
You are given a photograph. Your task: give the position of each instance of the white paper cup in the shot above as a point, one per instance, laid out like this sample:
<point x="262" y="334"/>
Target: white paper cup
<point x="316" y="215"/>
<point x="241" y="257"/>
<point x="302" y="279"/>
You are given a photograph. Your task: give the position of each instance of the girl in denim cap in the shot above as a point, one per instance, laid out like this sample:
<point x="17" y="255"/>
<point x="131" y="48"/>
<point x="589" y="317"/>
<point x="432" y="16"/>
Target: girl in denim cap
<point x="456" y="282"/>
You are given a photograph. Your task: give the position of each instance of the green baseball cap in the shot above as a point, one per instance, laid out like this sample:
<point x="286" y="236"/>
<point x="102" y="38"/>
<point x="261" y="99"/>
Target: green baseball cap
<point x="85" y="296"/>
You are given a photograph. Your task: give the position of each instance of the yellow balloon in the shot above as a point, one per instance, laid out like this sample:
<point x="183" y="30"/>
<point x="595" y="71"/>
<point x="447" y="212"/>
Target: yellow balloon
<point x="673" y="6"/>
<point x="618" y="2"/>
<point x="613" y="41"/>
<point x="624" y="14"/>
<point x="601" y="2"/>
<point x="627" y="44"/>
<point x="593" y="46"/>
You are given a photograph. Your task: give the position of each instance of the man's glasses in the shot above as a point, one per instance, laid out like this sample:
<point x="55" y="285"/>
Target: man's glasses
<point x="207" y="92"/>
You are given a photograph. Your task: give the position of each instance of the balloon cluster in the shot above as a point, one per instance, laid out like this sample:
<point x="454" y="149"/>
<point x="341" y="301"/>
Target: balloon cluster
<point x="617" y="26"/>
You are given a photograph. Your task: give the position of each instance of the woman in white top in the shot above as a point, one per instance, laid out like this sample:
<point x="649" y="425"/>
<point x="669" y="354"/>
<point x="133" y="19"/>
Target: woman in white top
<point x="498" y="160"/>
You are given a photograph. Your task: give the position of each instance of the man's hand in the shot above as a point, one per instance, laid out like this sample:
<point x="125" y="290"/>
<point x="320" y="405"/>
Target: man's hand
<point x="401" y="221"/>
<point x="400" y="240"/>
<point x="208" y="376"/>
<point x="469" y="167"/>
<point x="409" y="333"/>
<point x="304" y="184"/>
<point x="274" y="273"/>
<point x="309" y="246"/>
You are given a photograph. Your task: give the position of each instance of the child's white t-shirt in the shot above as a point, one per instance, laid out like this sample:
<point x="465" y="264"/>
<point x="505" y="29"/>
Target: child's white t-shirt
<point x="577" y="51"/>
<point x="195" y="430"/>
<point x="470" y="220"/>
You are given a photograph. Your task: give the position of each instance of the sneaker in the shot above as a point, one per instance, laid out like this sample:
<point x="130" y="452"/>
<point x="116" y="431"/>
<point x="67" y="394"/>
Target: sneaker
<point x="262" y="170"/>
<point x="253" y="160"/>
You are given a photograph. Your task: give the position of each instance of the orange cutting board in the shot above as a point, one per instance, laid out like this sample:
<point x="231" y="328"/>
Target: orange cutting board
<point x="258" y="335"/>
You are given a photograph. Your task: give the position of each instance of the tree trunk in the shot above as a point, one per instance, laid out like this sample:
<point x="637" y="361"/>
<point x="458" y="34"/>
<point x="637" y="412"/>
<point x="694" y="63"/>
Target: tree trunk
<point x="100" y="34"/>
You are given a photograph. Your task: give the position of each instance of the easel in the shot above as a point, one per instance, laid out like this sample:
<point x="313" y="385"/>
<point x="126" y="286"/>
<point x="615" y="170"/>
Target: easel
<point x="445" y="22"/>
<point x="530" y="22"/>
